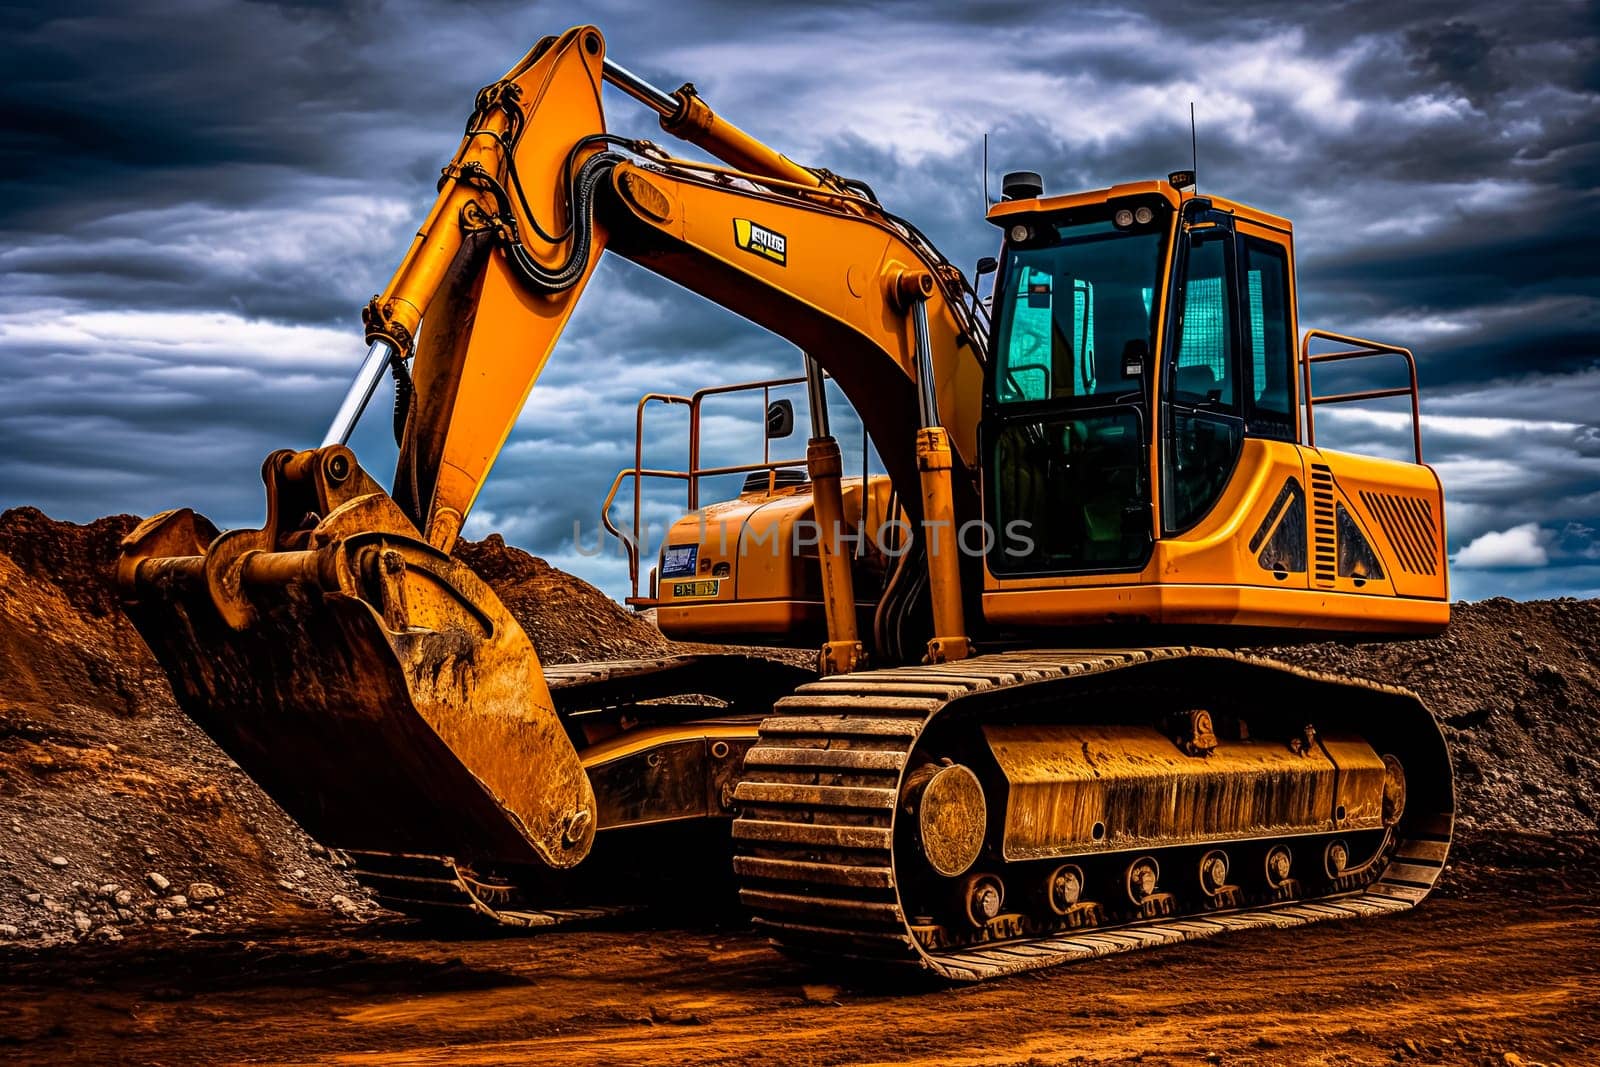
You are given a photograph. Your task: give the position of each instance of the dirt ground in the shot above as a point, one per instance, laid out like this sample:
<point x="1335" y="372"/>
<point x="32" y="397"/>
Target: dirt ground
<point x="157" y="907"/>
<point x="1499" y="968"/>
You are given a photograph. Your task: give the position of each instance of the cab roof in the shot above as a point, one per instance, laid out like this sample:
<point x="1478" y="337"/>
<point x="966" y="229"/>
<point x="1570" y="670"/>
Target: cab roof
<point x="1006" y="209"/>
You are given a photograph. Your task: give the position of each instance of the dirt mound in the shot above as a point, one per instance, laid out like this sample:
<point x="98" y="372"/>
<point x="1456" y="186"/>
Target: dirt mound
<point x="116" y="809"/>
<point x="1516" y="688"/>
<point x="569" y="620"/>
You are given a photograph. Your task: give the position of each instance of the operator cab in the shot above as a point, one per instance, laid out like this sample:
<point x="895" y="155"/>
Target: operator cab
<point x="1141" y="427"/>
<point x="1085" y="287"/>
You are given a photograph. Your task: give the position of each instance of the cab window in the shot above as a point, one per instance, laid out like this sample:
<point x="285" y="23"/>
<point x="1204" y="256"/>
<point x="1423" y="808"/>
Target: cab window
<point x="1205" y="365"/>
<point x="1203" y="427"/>
<point x="1070" y="310"/>
<point x="1269" y="339"/>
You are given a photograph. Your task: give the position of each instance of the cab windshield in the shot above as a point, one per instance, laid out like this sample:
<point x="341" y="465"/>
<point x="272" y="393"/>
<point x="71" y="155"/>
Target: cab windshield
<point x="1069" y="312"/>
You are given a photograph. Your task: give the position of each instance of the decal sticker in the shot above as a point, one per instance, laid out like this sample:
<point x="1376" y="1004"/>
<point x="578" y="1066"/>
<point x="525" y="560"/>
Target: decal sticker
<point x="759" y="240"/>
<point x="678" y="561"/>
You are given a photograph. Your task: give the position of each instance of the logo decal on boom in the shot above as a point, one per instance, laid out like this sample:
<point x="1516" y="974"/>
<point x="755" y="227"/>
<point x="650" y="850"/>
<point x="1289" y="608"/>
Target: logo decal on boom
<point x="761" y="241"/>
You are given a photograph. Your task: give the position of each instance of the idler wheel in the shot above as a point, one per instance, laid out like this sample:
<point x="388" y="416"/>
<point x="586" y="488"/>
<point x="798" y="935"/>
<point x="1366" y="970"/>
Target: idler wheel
<point x="1064" y="888"/>
<point x="985" y="896"/>
<point x="946" y="799"/>
<point x="1213" y="872"/>
<point x="1280" y="861"/>
<point x="1394" y="790"/>
<point x="1144" y="875"/>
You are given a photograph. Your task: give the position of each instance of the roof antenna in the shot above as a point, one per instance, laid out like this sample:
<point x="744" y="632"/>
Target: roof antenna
<point x="1194" y="151"/>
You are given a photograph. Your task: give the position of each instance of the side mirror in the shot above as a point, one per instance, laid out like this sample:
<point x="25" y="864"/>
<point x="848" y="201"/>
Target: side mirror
<point x="987" y="265"/>
<point x="780" y="419"/>
<point x="1134" y="355"/>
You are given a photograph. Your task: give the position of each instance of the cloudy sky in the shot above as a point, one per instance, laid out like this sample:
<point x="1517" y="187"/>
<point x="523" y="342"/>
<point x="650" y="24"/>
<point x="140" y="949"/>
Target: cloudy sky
<point x="200" y="196"/>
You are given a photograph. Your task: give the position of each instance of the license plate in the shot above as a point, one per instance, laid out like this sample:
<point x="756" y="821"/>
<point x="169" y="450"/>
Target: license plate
<point x="696" y="589"/>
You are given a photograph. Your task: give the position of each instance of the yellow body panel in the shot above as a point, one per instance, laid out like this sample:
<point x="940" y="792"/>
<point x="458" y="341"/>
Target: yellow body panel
<point x="770" y="586"/>
<point x="1210" y="576"/>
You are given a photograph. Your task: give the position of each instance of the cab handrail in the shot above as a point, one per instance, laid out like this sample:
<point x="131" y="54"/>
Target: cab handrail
<point x="1356" y="348"/>
<point x="691" y="475"/>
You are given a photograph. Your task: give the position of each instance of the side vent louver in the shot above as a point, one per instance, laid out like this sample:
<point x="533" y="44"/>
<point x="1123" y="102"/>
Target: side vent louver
<point x="1325" y="551"/>
<point x="1409" y="527"/>
<point x="1284" y="552"/>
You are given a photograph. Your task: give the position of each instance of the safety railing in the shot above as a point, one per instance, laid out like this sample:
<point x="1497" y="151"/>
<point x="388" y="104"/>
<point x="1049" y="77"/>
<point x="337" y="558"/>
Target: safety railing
<point x="690" y="476"/>
<point x="1356" y="348"/>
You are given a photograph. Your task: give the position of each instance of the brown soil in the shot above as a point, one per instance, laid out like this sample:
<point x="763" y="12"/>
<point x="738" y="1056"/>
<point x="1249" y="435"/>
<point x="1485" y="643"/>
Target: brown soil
<point x="1499" y="970"/>
<point x="104" y="784"/>
<point x="569" y="620"/>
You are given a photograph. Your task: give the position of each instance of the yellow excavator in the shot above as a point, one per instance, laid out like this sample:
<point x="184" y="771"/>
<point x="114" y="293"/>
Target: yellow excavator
<point x="1026" y="741"/>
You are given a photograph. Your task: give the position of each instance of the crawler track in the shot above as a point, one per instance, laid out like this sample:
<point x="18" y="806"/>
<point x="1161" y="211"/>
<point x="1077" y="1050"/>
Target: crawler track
<point x="820" y="861"/>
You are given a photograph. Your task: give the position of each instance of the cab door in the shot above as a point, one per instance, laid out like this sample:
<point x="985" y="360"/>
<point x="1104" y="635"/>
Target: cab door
<point x="1234" y="492"/>
<point x="1202" y="413"/>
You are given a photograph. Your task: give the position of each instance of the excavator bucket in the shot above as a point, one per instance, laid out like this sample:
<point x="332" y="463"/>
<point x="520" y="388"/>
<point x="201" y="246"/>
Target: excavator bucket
<point x="374" y="686"/>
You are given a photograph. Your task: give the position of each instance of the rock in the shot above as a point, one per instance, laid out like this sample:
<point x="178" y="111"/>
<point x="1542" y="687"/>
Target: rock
<point x="151" y="853"/>
<point x="158" y="882"/>
<point x="297" y="874"/>
<point x="285" y="884"/>
<point x="82" y="922"/>
<point x="202" y="892"/>
<point x="178" y="902"/>
<point x="1511" y="1059"/>
<point x="109" y="891"/>
<point x="33" y="898"/>
<point x="163" y="915"/>
<point x="107" y="933"/>
<point x="317" y="850"/>
<point x="8" y="931"/>
<point x="344" y="905"/>
<point x="126" y="916"/>
<point x="821" y="994"/>
<point x="122" y="898"/>
<point x="58" y="861"/>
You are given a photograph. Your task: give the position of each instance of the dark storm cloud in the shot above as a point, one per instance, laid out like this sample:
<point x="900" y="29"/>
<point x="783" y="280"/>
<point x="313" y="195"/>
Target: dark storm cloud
<point x="200" y="195"/>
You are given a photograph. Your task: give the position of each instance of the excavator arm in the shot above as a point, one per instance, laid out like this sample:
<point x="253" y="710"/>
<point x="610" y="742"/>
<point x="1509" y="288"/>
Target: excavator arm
<point x="375" y="685"/>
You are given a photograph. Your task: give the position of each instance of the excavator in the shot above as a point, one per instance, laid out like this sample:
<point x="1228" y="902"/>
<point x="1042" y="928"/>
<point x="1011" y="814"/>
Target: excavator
<point x="1029" y="737"/>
